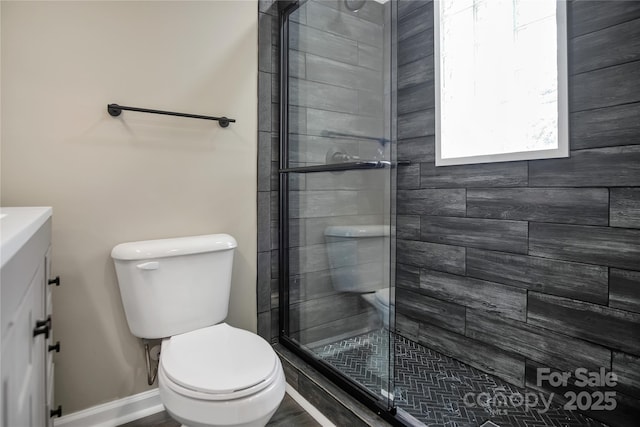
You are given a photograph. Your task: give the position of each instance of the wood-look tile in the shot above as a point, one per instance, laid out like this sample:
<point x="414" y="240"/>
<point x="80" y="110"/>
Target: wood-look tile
<point x="408" y="227"/>
<point x="511" y="174"/>
<point x="438" y="201"/>
<point x="624" y="289"/>
<point x="536" y="343"/>
<point x="615" y="247"/>
<point x="589" y="16"/>
<point x="575" y="280"/>
<point x="627" y="368"/>
<point x="610" y="46"/>
<point x="606" y="87"/>
<point x="605" y="127"/>
<point x="499" y="235"/>
<point x="598" y="167"/>
<point x="507" y="301"/>
<point x="625" y="207"/>
<point x="431" y="255"/>
<point x="606" y="326"/>
<point x="503" y="364"/>
<point x="558" y="205"/>
<point x="426" y="309"/>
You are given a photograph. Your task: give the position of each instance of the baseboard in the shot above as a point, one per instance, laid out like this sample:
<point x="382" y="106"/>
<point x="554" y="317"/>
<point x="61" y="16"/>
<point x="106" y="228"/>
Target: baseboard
<point x="114" y="413"/>
<point x="311" y="410"/>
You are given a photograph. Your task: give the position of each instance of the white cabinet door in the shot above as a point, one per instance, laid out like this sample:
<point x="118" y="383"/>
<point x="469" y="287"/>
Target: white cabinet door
<point x="23" y="361"/>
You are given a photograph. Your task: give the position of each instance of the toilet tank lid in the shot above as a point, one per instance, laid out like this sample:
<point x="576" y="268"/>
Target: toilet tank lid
<point x="357" y="230"/>
<point x="162" y="248"/>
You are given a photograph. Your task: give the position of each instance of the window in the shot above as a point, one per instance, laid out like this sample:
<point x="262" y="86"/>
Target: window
<point x="501" y="80"/>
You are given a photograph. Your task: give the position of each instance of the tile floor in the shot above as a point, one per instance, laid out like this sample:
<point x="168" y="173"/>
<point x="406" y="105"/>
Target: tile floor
<point x="431" y="386"/>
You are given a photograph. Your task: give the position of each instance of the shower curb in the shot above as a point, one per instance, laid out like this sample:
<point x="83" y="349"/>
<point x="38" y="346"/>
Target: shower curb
<point x="333" y="402"/>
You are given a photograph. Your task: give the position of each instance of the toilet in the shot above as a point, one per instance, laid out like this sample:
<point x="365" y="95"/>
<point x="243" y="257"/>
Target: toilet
<point x="359" y="260"/>
<point x="209" y="373"/>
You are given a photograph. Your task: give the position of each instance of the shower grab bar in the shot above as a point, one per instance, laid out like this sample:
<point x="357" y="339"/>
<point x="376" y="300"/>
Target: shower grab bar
<point x="115" y="110"/>
<point x="373" y="164"/>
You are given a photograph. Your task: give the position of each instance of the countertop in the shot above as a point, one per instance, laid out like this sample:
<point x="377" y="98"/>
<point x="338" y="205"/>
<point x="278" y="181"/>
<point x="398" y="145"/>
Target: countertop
<point x="17" y="225"/>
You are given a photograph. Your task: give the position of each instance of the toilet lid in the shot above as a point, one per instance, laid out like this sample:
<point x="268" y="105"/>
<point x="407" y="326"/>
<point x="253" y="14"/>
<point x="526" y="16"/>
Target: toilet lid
<point x="382" y="295"/>
<point x="217" y="359"/>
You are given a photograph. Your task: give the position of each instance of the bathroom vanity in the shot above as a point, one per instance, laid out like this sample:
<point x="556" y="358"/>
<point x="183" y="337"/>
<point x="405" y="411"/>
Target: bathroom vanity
<point x="26" y="357"/>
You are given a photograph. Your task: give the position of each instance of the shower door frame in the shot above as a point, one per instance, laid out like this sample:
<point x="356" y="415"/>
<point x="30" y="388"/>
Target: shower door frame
<point x="386" y="411"/>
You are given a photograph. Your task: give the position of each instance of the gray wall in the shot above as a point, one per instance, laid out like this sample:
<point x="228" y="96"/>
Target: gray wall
<point x="514" y="266"/>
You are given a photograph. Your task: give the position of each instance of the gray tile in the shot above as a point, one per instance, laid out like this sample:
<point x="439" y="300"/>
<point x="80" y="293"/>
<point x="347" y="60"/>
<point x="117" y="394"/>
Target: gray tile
<point x="605" y="127"/>
<point x="264" y="282"/>
<point x="610" y="46"/>
<point x="536" y="343"/>
<point x="590" y="16"/>
<point x="498" y="235"/>
<point x="610" y="327"/>
<point x="321" y="43"/>
<point x="304" y="93"/>
<point x="599" y="167"/>
<point x="558" y="205"/>
<point x="625" y="207"/>
<point x="511" y="174"/>
<point x="607" y="87"/>
<point x="582" y="281"/>
<point x="344" y="24"/>
<point x="264" y="161"/>
<point x="416" y="72"/>
<point x="416" y="149"/>
<point x="408" y="227"/>
<point x="437" y="201"/>
<point x="371" y="57"/>
<point x="627" y="368"/>
<point x="615" y="247"/>
<point x="431" y="255"/>
<point x="416" y="98"/>
<point x="420" y="19"/>
<point x="264" y="221"/>
<point x="337" y="73"/>
<point x="485" y="357"/>
<point x="624" y="289"/>
<point x="416" y="124"/>
<point x="507" y="301"/>
<point x="408" y="176"/>
<point x="264" y="101"/>
<point x="265" y="32"/>
<point x="415" y="47"/>
<point x="424" y="308"/>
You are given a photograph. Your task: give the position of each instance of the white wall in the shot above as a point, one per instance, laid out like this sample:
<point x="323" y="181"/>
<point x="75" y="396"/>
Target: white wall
<point x="135" y="177"/>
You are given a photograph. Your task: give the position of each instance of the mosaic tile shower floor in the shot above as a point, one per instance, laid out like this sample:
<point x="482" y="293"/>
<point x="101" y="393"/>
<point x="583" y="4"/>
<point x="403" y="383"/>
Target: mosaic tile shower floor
<point x="431" y="386"/>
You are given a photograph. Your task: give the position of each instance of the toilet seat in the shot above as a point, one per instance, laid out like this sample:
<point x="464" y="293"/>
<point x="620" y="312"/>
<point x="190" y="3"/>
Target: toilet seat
<point x="218" y="362"/>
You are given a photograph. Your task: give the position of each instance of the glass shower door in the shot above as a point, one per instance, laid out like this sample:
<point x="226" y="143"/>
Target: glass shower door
<point x="335" y="186"/>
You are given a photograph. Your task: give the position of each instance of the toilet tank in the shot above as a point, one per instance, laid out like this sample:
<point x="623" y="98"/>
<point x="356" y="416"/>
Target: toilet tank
<point x="172" y="286"/>
<point x="358" y="257"/>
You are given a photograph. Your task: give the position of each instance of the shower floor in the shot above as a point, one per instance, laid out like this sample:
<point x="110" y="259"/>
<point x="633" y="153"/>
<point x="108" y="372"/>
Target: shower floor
<point x="431" y="387"/>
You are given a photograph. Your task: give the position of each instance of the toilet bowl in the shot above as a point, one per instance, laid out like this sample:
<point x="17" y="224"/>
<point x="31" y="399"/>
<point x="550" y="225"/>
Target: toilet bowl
<point x="210" y="373"/>
<point x="220" y="375"/>
<point x="359" y="260"/>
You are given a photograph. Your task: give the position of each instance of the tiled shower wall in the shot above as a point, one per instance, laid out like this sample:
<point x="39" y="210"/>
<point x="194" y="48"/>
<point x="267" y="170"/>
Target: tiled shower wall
<point x="514" y="266"/>
<point x="268" y="155"/>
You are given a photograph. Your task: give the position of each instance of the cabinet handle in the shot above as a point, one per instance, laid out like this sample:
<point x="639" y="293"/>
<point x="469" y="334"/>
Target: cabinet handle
<point x="46" y="322"/>
<point x="55" y="281"/>
<point x="41" y="330"/>
<point x="55" y="412"/>
<point x="55" y="347"/>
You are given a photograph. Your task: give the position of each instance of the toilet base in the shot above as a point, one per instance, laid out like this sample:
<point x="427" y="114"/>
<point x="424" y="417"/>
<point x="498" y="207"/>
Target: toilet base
<point x="251" y="411"/>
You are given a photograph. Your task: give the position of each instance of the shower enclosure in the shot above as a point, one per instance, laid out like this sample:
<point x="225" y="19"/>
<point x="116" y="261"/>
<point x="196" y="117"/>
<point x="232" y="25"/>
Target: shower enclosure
<point x="336" y="191"/>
